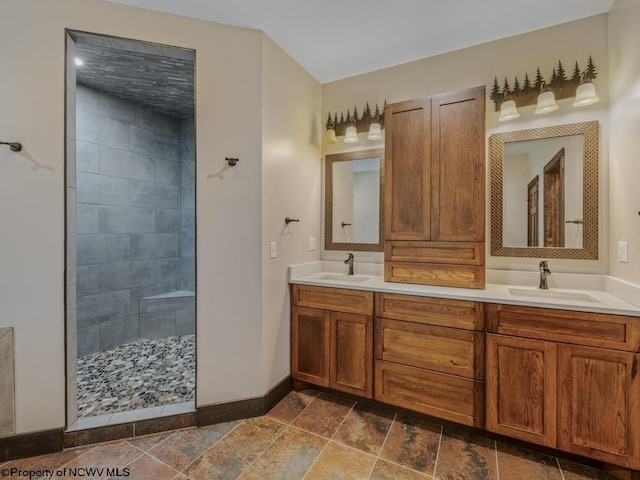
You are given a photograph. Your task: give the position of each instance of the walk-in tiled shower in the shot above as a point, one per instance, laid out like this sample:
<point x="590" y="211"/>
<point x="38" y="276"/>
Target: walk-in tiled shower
<point x="135" y="225"/>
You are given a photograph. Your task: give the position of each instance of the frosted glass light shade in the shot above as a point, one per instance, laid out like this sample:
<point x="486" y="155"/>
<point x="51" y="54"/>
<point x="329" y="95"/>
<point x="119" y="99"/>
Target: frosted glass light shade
<point x="330" y="136"/>
<point x="585" y="95"/>
<point x="508" y="111"/>
<point x="375" y="132"/>
<point x="351" y="136"/>
<point x="546" y="103"/>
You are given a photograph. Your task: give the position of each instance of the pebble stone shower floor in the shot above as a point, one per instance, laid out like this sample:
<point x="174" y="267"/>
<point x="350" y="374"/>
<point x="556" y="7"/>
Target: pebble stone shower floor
<point x="141" y="374"/>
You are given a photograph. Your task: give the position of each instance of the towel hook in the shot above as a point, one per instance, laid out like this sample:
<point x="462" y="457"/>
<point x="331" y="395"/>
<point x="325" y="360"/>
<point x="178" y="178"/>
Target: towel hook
<point x="232" y="161"/>
<point x="14" y="146"/>
<point x="288" y="220"/>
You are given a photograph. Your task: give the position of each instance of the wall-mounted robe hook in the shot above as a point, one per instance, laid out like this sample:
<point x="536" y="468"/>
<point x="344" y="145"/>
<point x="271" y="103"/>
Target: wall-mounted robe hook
<point x="344" y="224"/>
<point x="288" y="220"/>
<point x="14" y="146"/>
<point x="232" y="161"/>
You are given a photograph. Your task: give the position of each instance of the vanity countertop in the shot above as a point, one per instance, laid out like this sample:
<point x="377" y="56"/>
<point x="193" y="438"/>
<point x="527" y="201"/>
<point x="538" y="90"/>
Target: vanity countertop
<point x="586" y="300"/>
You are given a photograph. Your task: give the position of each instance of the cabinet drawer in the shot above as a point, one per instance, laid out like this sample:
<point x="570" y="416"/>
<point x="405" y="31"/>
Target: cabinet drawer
<point x="434" y="311"/>
<point x="334" y="299"/>
<point x="459" y="253"/>
<point x="443" y="275"/>
<point x="582" y="328"/>
<point x="441" y="349"/>
<point x="436" y="394"/>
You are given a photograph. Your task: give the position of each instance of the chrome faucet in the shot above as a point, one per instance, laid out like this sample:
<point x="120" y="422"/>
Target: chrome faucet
<point x="349" y="261"/>
<point x="544" y="273"/>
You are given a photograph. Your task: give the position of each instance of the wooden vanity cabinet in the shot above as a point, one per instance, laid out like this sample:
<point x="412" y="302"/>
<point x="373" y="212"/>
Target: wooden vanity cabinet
<point x="428" y="356"/>
<point x="332" y="338"/>
<point x="434" y="190"/>
<point x="566" y="380"/>
<point x="310" y="333"/>
<point x="563" y="379"/>
<point x="599" y="404"/>
<point x="351" y="353"/>
<point x="408" y="176"/>
<point x="521" y="388"/>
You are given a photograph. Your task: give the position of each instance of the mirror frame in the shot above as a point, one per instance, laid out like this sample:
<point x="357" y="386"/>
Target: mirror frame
<point x="590" y="150"/>
<point x="330" y="159"/>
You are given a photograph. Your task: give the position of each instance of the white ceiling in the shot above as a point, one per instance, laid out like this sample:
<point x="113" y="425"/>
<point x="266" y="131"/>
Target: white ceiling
<point x="335" y="39"/>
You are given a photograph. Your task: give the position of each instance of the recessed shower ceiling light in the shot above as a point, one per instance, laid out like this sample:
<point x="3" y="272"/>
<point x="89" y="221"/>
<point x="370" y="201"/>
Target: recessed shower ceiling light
<point x="78" y="61"/>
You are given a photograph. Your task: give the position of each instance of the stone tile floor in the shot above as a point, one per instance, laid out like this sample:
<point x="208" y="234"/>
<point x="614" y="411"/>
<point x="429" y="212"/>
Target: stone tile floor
<point x="315" y="436"/>
<point x="142" y="374"/>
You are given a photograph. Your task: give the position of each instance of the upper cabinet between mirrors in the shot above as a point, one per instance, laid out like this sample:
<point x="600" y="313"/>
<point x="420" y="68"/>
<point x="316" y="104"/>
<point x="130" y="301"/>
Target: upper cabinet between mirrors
<point x="544" y="192"/>
<point x="435" y="185"/>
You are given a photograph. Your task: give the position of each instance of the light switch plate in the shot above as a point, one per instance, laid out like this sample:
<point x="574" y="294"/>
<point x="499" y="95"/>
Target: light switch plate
<point x="312" y="244"/>
<point x="273" y="251"/>
<point x="623" y="252"/>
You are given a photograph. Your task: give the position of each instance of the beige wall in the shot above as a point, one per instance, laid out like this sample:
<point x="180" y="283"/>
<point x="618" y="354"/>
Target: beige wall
<point x="624" y="51"/>
<point x="290" y="188"/>
<point x="229" y="90"/>
<point x="479" y="65"/>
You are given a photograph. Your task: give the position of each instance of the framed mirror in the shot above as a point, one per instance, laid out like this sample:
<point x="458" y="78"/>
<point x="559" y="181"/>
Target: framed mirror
<point x="544" y="192"/>
<point x="354" y="186"/>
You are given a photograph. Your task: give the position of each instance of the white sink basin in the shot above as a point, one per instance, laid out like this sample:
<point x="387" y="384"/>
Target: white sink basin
<point x="338" y="277"/>
<point x="552" y="295"/>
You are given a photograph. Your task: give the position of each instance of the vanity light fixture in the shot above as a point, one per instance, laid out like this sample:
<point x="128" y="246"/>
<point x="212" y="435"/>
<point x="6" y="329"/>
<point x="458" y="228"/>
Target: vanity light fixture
<point x="330" y="134"/>
<point x="370" y="122"/>
<point x="546" y="101"/>
<point x="351" y="136"/>
<point x="508" y="110"/>
<point x="375" y="131"/>
<point x="586" y="93"/>
<point x="544" y="94"/>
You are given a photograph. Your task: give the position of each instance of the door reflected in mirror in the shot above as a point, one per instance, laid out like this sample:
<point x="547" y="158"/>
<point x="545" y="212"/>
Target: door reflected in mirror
<point x="543" y="193"/>
<point x="353" y="198"/>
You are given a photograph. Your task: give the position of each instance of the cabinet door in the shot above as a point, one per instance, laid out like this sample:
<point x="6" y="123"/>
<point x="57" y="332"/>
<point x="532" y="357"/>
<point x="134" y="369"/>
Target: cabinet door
<point x="310" y="345"/>
<point x="521" y="388"/>
<point x="407" y="195"/>
<point x="352" y="354"/>
<point x="599" y="404"/>
<point x="457" y="166"/>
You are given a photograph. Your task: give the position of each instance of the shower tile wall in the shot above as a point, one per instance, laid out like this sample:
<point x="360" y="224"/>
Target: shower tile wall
<point x="129" y="224"/>
<point x="71" y="339"/>
<point x="188" y="164"/>
<point x="185" y="319"/>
